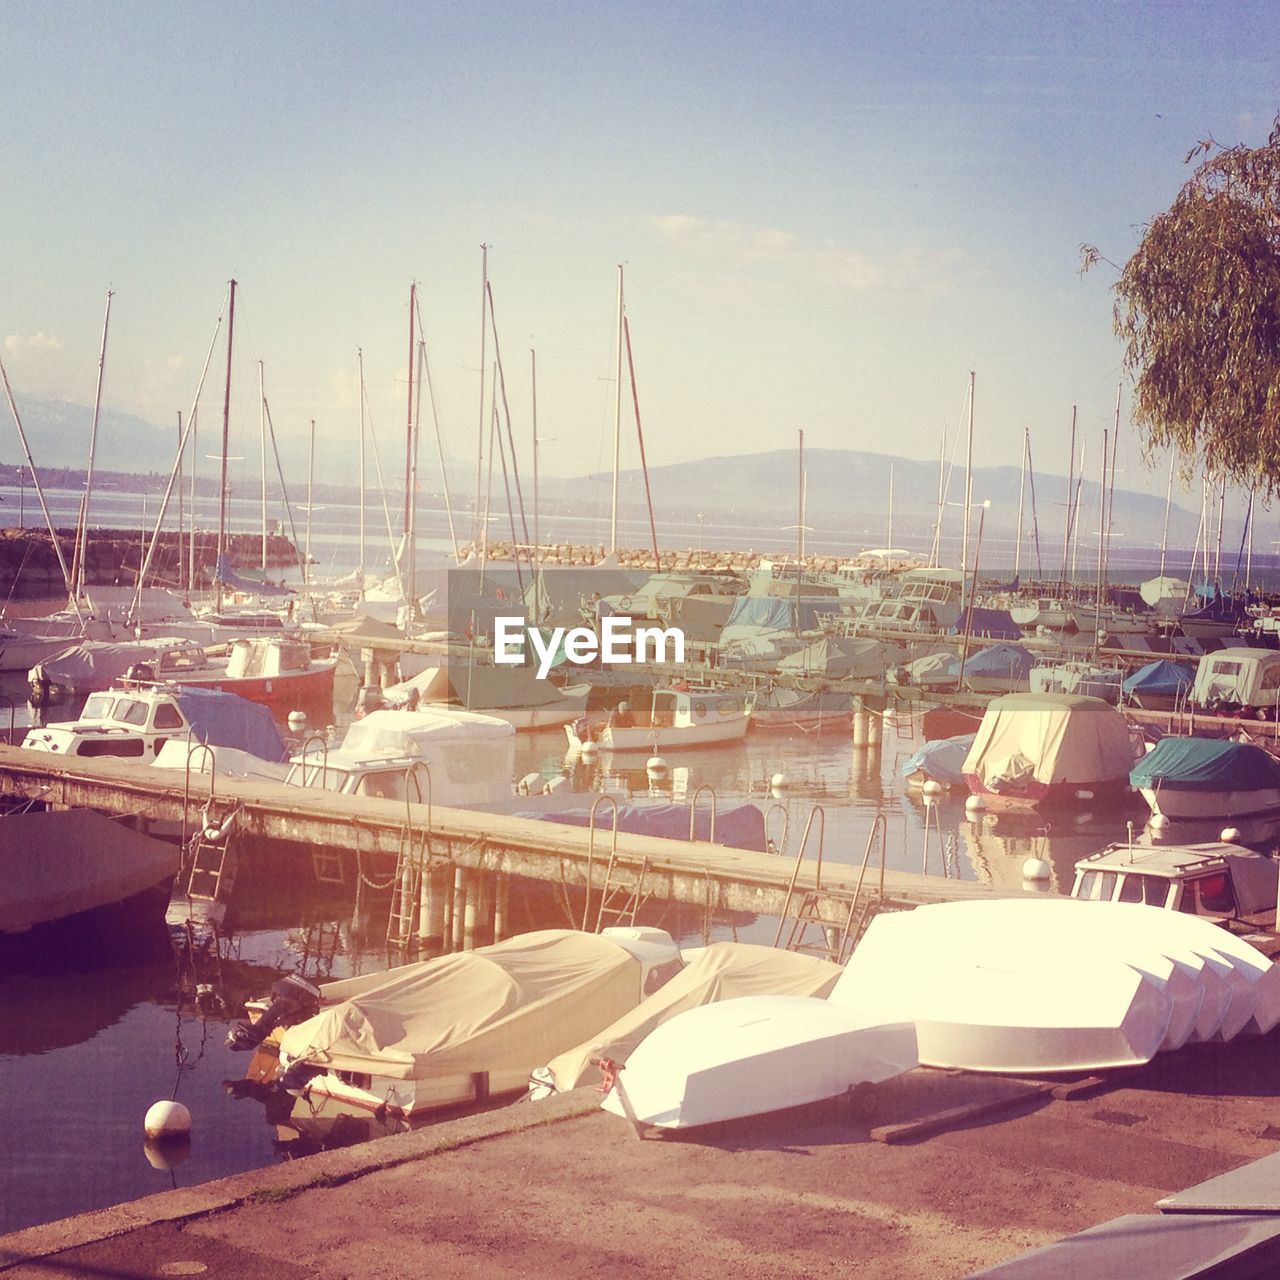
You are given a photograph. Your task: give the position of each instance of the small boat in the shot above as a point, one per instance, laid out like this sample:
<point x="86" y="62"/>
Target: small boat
<point x="1090" y="679"/>
<point x="1240" y="681"/>
<point x="1036" y="749"/>
<point x="449" y="756"/>
<point x="1162" y="685"/>
<point x="513" y="694"/>
<point x="754" y="1055"/>
<point x="984" y="1000"/>
<point x="1199" y="778"/>
<point x="940" y="762"/>
<point x="680" y="718"/>
<point x="721" y="971"/>
<point x="796" y="709"/>
<point x="464" y="1027"/>
<point x="71" y="877"/>
<point x="276" y="670"/>
<point x="133" y="720"/>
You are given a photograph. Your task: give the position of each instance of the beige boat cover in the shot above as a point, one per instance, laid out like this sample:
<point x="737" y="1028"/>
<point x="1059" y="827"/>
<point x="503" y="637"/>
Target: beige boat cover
<point x="722" y="971"/>
<point x="1050" y="738"/>
<point x="507" y="1007"/>
<point x="57" y="864"/>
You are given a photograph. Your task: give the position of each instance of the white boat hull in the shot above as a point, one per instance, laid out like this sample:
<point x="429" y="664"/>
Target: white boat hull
<point x="1192" y="806"/>
<point x="755" y="1055"/>
<point x="665" y="738"/>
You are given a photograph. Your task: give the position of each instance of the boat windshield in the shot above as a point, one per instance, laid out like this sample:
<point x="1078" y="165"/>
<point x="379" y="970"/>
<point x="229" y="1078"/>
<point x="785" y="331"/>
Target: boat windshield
<point x="98" y="707"/>
<point x="316" y="774"/>
<point x="130" y="711"/>
<point x="1152" y="890"/>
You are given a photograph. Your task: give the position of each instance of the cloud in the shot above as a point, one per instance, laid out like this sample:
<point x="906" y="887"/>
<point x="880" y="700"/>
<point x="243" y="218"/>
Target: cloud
<point x="817" y="263"/>
<point x="19" y="345"/>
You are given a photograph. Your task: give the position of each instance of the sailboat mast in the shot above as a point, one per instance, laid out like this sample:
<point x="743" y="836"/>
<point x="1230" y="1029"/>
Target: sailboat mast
<point x="1102" y="542"/>
<point x="262" y="443"/>
<point x="226" y="442"/>
<point x="1168" y="504"/>
<point x="942" y="494"/>
<point x="482" y="530"/>
<point x="194" y="423"/>
<point x="181" y="451"/>
<point x="617" y="427"/>
<point x="82" y="543"/>
<point x="1070" y="502"/>
<point x="968" y="478"/>
<point x="408" y="433"/>
<point x="360" y="365"/>
<point x="1222" y="510"/>
<point x="311" y="478"/>
<point x="537" y="532"/>
<point x="1022" y="490"/>
<point x="888" y="541"/>
<point x="800" y="511"/>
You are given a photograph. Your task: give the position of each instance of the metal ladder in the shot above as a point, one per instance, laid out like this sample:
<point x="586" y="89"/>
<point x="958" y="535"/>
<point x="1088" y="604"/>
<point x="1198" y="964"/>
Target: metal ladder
<point x="631" y="899"/>
<point x="411" y="862"/>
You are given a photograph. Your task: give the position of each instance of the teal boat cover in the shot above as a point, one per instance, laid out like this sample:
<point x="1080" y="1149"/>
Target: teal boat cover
<point x="1206" y="764"/>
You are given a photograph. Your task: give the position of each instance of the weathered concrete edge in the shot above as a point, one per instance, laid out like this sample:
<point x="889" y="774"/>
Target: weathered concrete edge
<point x="326" y="1168"/>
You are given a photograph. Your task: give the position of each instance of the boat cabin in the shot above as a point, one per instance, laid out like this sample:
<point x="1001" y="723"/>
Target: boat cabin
<point x="384" y="778"/>
<point x="263" y="658"/>
<point x="1238" y="680"/>
<point x="678" y="709"/>
<point x="1222" y="881"/>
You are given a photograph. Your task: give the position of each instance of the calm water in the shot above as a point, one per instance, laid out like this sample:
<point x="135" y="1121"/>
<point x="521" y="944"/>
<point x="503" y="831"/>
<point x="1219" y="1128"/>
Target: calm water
<point x="84" y="1053"/>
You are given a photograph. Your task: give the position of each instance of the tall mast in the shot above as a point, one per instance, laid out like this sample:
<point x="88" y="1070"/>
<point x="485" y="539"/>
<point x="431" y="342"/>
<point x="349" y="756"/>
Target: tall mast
<point x="360" y="364"/>
<point x="82" y="542"/>
<point x="482" y="530"/>
<point x="262" y="438"/>
<point x="617" y="427"/>
<point x="1102" y="543"/>
<point x="1022" y="489"/>
<point x="1168" y="504"/>
<point x="800" y="511"/>
<point x="181" y="451"/>
<point x="1075" y="508"/>
<point x="1071" y="467"/>
<point x="408" y="433"/>
<point x="193" y="423"/>
<point x="226" y="442"/>
<point x="888" y="541"/>
<point x="1222" y="509"/>
<point x="537" y="532"/>
<point x="937" y="524"/>
<point x="311" y="479"/>
<point x="968" y="478"/>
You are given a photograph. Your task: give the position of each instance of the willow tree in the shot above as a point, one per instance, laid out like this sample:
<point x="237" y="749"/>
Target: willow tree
<point x="1198" y="307"/>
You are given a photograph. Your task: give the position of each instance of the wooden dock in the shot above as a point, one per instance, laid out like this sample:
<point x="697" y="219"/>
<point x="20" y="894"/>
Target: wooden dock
<point x="710" y="876"/>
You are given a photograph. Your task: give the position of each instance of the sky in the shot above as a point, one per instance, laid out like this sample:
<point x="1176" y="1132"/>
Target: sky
<point x="829" y="213"/>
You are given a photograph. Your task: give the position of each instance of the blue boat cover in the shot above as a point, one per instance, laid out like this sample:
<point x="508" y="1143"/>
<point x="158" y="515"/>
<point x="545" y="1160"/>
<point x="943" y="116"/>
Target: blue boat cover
<point x="1206" y="764"/>
<point x="228" y="720"/>
<point x="998" y="624"/>
<point x="740" y="826"/>
<point x="1161" y="677"/>
<point x="942" y="759"/>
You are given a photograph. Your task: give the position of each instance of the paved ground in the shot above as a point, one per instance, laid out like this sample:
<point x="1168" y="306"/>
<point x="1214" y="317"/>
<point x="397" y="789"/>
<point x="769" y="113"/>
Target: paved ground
<point x="569" y="1191"/>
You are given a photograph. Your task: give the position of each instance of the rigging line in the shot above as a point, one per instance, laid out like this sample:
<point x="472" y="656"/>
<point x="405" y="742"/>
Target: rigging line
<point x="435" y="419"/>
<point x="382" y="489"/>
<point x="145" y="567"/>
<point x="644" y="466"/>
<point x="506" y="411"/>
<point x="284" y="493"/>
<point x="506" y="484"/>
<point x="1035" y="522"/>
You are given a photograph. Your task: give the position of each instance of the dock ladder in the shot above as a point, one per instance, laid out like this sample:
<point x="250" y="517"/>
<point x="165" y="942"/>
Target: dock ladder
<point x="412" y="861"/>
<point x="618" y="904"/>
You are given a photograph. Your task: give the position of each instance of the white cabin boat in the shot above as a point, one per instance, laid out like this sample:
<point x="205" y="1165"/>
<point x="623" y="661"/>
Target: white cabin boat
<point x="1238" y="682"/>
<point x="680" y="718"/>
<point x="474" y="1024"/>
<point x="754" y="1055"/>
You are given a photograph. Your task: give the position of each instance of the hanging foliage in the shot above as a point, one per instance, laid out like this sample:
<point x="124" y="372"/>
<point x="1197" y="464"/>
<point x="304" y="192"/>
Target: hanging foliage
<point x="1198" y="307"/>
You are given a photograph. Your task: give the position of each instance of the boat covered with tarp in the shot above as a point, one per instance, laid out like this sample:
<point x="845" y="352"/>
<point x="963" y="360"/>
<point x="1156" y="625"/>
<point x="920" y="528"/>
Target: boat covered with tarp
<point x="739" y="826"/>
<point x="1160" y="685"/>
<point x="1044" y="748"/>
<point x="997" y="668"/>
<point x="1208" y="778"/>
<point x="940" y="761"/>
<point x="461" y="1027"/>
<point x="721" y="971"/>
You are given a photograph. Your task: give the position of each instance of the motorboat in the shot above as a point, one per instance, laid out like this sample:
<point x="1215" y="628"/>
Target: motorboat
<point x="720" y="971"/>
<point x="940" y="762"/>
<point x="754" y="1055"/>
<point x="138" y="721"/>
<point x="1242" y="682"/>
<point x="1037" y="749"/>
<point x="1091" y="679"/>
<point x="780" y="708"/>
<point x="513" y="694"/>
<point x="444" y="755"/>
<point x="680" y="718"/>
<point x="473" y="1024"/>
<point x="70" y="877"/>
<point x="998" y="668"/>
<point x="1160" y="685"/>
<point x="275" y="670"/>
<point x="1200" y="778"/>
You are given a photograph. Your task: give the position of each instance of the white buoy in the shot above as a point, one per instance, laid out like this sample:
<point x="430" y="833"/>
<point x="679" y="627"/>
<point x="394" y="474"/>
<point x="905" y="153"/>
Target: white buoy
<point x="1158" y="821"/>
<point x="655" y="767"/>
<point x="167" y="1120"/>
<point x="1230" y="835"/>
<point x="297" y="721"/>
<point x="529" y="785"/>
<point x="779" y="782"/>
<point x="975" y="804"/>
<point x="932" y="787"/>
<point x="1036" y="869"/>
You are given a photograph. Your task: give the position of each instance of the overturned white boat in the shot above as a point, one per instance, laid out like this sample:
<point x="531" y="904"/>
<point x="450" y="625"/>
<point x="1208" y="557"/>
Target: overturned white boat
<point x="1049" y="985"/>
<point x="754" y="1055"/>
<point x="462" y="1027"/>
<point x="721" y="971"/>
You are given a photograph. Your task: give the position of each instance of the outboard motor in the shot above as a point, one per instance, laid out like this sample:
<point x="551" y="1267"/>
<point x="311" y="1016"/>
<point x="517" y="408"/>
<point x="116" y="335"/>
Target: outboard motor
<point x="293" y="999"/>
